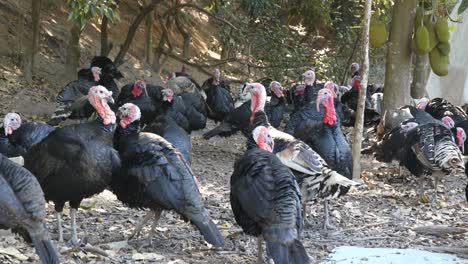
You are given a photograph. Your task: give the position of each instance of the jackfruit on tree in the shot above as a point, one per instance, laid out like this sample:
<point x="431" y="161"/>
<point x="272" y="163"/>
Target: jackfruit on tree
<point x="433" y="41"/>
<point x="442" y="30"/>
<point x="439" y="62"/>
<point x="422" y="40"/>
<point x="377" y="33"/>
<point x="444" y="48"/>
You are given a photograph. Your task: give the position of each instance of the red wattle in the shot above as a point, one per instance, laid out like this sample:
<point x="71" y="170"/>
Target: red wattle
<point x="329" y="115"/>
<point x="357" y="84"/>
<point x="136" y="91"/>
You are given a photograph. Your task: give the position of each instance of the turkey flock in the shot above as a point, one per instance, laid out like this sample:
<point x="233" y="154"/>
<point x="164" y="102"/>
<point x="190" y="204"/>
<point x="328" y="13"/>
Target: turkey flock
<point x="136" y="142"/>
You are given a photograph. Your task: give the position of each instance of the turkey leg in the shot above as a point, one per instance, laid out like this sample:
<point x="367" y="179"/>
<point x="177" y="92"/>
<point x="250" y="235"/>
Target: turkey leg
<point x="157" y="216"/>
<point x="326" y="217"/>
<point x="136" y="231"/>
<point x="59" y="226"/>
<point x="74" y="237"/>
<point x="260" y="250"/>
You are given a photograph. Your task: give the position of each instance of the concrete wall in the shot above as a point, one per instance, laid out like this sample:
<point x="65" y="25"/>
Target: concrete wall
<point x="454" y="86"/>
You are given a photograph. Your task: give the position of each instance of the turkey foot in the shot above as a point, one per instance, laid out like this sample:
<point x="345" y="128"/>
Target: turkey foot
<point x="260" y="250"/>
<point x="74" y="237"/>
<point x="156" y="215"/>
<point x="326" y="218"/>
<point x="59" y="226"/>
<point x="137" y="230"/>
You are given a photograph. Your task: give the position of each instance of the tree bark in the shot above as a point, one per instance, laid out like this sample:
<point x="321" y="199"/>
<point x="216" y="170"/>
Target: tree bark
<point x="398" y="67"/>
<point x="72" y="60"/>
<point x="359" y="123"/>
<point x="158" y="58"/>
<point x="149" y="38"/>
<point x="31" y="51"/>
<point x="132" y="31"/>
<point x="421" y="73"/>
<point x="105" y="45"/>
<point x="185" y="35"/>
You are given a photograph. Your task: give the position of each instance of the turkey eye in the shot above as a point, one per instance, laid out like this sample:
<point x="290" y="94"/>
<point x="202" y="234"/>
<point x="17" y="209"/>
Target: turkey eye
<point x="12" y="120"/>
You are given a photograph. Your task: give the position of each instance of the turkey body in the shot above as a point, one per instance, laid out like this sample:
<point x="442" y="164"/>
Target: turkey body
<point x="169" y="130"/>
<point x="439" y="107"/>
<point x="22" y="204"/>
<point x="236" y="120"/>
<point x="74" y="162"/>
<point x="275" y="110"/>
<point x="24" y="138"/>
<point x="266" y="201"/>
<point x="155" y="175"/>
<point x="430" y="148"/>
<point x="218" y="99"/>
<point x="196" y="110"/>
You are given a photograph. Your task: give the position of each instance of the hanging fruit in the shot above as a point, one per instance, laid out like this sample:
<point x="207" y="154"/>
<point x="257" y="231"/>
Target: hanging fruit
<point x="378" y="34"/>
<point x="439" y="62"/>
<point x="422" y="40"/>
<point x="442" y="30"/>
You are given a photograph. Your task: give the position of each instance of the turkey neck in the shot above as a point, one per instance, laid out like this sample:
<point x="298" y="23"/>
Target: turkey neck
<point x="106" y="128"/>
<point x="122" y="134"/>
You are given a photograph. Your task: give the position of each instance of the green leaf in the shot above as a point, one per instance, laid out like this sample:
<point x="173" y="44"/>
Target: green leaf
<point x="463" y="6"/>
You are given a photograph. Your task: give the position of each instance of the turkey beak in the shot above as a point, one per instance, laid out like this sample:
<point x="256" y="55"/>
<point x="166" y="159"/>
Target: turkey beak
<point x="110" y="99"/>
<point x="6" y="126"/>
<point x="271" y="143"/>
<point x="144" y="90"/>
<point x="320" y="100"/>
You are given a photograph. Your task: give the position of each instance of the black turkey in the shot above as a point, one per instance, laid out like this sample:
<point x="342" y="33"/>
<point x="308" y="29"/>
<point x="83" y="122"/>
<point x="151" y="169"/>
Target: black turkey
<point x="155" y="175"/>
<point x="20" y="137"/>
<point x="72" y="99"/>
<point x="22" y="204"/>
<point x="298" y="156"/>
<point x="218" y="97"/>
<point x="77" y="161"/>
<point x="266" y="202"/>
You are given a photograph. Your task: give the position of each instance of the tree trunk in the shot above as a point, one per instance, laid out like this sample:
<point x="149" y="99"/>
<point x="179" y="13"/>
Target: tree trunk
<point x="31" y="51"/>
<point x="185" y="35"/>
<point x="420" y="76"/>
<point x="149" y="38"/>
<point x="132" y="31"/>
<point x="398" y="67"/>
<point x="224" y="52"/>
<point x="158" y="58"/>
<point x="105" y="45"/>
<point x="72" y="61"/>
<point x="359" y="123"/>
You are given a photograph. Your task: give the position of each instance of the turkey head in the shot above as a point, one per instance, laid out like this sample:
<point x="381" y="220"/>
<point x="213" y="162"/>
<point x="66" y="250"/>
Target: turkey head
<point x="168" y="95"/>
<point x="98" y="97"/>
<point x="128" y="113"/>
<point x="96" y="71"/>
<point x="216" y="77"/>
<point x="461" y="137"/>
<point x="258" y="100"/>
<point x="277" y="88"/>
<point x="11" y="122"/>
<point x="263" y="138"/>
<point x="325" y="98"/>
<point x="138" y="88"/>
<point x="448" y="122"/>
<point x="309" y="77"/>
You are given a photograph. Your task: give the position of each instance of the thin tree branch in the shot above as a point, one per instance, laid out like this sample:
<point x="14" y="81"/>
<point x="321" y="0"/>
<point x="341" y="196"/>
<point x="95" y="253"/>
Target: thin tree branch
<point x="132" y="30"/>
<point x="199" y="9"/>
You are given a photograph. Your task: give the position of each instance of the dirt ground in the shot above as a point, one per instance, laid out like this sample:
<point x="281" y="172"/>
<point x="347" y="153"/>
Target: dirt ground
<point x="385" y="214"/>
